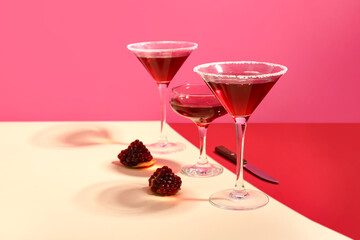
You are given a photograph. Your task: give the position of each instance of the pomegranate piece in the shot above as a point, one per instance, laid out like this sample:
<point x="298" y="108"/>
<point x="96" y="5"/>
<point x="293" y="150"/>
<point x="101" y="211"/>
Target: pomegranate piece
<point x="136" y="155"/>
<point x="164" y="182"/>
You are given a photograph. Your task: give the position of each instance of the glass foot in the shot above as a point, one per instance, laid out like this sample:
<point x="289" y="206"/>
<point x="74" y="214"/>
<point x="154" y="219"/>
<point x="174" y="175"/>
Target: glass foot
<point x="196" y="171"/>
<point x="232" y="200"/>
<point x="165" y="148"/>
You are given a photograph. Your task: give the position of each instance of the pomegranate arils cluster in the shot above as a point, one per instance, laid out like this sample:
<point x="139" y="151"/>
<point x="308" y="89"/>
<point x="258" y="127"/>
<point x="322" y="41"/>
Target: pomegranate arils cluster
<point x="136" y="155"/>
<point x="164" y="181"/>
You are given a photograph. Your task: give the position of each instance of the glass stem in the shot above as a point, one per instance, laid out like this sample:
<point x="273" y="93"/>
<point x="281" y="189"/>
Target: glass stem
<point x="240" y="123"/>
<point x="163" y="91"/>
<point x="202" y="162"/>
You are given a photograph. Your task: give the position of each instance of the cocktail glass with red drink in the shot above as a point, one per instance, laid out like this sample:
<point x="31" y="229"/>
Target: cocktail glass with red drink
<point x="240" y="87"/>
<point x="162" y="59"/>
<point x="197" y="103"/>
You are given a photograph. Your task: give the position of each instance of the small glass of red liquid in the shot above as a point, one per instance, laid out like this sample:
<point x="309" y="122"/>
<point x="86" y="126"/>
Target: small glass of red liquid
<point x="197" y="103"/>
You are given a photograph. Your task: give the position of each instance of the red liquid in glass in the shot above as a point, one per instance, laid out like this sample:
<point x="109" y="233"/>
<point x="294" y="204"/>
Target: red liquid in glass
<point x="240" y="100"/>
<point x="200" y="111"/>
<point x="163" y="69"/>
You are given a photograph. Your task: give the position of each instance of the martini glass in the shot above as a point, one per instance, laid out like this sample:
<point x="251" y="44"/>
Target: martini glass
<point x="198" y="103"/>
<point x="162" y="59"/>
<point x="240" y="87"/>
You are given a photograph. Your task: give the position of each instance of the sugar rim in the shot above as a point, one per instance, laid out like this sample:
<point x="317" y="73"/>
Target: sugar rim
<point x="283" y="71"/>
<point x="132" y="48"/>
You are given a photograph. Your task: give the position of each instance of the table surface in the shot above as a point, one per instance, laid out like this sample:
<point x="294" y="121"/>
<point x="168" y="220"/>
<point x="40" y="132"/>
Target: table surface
<point x="58" y="181"/>
<point x="317" y="166"/>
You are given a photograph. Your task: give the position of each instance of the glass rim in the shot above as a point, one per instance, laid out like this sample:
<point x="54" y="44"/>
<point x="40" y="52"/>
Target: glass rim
<point x="195" y="94"/>
<point x="245" y="77"/>
<point x="132" y="48"/>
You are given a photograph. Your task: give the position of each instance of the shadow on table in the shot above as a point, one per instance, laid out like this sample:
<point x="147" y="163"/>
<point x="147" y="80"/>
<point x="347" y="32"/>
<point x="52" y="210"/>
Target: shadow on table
<point x="144" y="172"/>
<point x="75" y="135"/>
<point x="118" y="199"/>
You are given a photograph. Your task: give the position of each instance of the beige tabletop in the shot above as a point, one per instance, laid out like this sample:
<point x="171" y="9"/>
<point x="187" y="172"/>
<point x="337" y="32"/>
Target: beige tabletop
<point x="58" y="181"/>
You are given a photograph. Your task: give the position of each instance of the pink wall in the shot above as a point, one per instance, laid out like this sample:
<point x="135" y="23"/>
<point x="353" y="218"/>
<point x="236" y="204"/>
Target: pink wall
<point x="67" y="59"/>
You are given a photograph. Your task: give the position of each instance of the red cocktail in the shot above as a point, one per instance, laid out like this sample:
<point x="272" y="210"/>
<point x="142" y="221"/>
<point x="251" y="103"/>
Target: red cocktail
<point x="162" y="59"/>
<point x="163" y="69"/>
<point x="240" y="87"/>
<point x="241" y="99"/>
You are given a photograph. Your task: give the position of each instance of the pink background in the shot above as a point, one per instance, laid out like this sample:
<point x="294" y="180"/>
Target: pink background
<point x="67" y="59"/>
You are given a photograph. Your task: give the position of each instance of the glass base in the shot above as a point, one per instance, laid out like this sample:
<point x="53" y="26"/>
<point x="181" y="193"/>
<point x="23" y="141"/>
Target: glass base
<point x="235" y="200"/>
<point x="165" y="148"/>
<point x="196" y="171"/>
